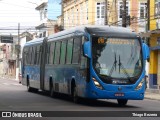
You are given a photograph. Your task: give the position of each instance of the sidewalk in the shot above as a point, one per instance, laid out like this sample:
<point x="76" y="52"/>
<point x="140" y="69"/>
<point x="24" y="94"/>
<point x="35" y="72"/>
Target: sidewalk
<point x="153" y="94"/>
<point x="8" y="77"/>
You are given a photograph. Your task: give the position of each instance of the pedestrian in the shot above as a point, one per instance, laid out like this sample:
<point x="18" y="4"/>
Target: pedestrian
<point x="146" y="81"/>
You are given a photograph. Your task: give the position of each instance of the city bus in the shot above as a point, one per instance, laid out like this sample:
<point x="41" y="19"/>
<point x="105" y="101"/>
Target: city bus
<point x="95" y="62"/>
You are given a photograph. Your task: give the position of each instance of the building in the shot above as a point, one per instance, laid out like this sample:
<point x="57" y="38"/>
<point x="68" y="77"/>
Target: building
<point x="77" y="13"/>
<point x="94" y="12"/>
<point x="153" y="36"/>
<point x="136" y="14"/>
<point x="49" y="10"/>
<point x="8" y="55"/>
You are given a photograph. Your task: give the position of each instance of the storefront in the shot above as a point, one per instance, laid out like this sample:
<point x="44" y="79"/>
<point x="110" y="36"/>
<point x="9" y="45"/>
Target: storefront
<point x="154" y="61"/>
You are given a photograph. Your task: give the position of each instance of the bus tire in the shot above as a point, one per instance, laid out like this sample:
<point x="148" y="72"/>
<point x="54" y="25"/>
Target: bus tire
<point x="30" y="89"/>
<point x="122" y="102"/>
<point x="75" y="95"/>
<point x="51" y="89"/>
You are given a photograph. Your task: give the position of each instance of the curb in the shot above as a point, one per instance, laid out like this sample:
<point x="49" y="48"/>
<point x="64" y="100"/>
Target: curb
<point x="149" y="98"/>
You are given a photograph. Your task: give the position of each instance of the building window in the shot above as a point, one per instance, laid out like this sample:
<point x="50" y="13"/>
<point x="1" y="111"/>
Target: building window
<point x="143" y="11"/>
<point x="64" y="17"/>
<point x="72" y="11"/>
<point x="87" y="12"/>
<point x="100" y="14"/>
<point x="121" y="9"/>
<point x="40" y="35"/>
<point x="157" y="9"/>
<point x="81" y="14"/>
<point x="103" y="11"/>
<point x="41" y="16"/>
<point x="77" y="15"/>
<point x="44" y="34"/>
<point x="45" y="13"/>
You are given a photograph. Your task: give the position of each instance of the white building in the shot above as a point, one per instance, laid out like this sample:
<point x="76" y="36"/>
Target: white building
<point x="48" y="16"/>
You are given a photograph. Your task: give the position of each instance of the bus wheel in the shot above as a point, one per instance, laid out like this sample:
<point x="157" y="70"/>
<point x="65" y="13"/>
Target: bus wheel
<point x="51" y="90"/>
<point x="75" y="96"/>
<point x="29" y="89"/>
<point x="52" y="93"/>
<point x="122" y="102"/>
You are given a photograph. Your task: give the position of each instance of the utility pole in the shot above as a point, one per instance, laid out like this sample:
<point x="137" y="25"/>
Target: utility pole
<point x="18" y="51"/>
<point x="148" y="15"/>
<point x="106" y="12"/>
<point x="124" y="14"/>
<point x="62" y="18"/>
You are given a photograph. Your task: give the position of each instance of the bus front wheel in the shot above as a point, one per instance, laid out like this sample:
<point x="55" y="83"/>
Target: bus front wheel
<point x="122" y="102"/>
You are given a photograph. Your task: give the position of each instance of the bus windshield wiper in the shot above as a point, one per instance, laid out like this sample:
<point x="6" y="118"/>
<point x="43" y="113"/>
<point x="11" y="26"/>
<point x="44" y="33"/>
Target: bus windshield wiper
<point x="114" y="65"/>
<point x="123" y="68"/>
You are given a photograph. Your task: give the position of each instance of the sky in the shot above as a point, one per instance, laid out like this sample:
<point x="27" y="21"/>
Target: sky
<point x="13" y="12"/>
<point x="55" y="11"/>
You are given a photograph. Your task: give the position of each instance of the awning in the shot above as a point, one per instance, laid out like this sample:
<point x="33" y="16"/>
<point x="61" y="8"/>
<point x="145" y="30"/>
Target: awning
<point x="42" y="5"/>
<point x="147" y="34"/>
<point x="155" y="48"/>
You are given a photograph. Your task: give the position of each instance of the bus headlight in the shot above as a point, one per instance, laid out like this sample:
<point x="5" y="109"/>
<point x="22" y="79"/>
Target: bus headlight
<point x="97" y="84"/>
<point x="139" y="86"/>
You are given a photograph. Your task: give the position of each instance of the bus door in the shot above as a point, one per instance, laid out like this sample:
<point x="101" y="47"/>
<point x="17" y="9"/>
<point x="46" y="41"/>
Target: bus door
<point x="42" y="63"/>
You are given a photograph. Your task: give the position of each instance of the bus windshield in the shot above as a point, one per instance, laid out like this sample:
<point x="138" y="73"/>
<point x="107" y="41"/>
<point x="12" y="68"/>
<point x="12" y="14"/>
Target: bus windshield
<point x="117" y="58"/>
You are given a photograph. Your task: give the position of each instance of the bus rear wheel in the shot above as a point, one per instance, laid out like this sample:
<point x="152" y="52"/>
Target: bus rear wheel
<point x="52" y="93"/>
<point x="30" y="89"/>
<point x="122" y="102"/>
<point x="75" y="96"/>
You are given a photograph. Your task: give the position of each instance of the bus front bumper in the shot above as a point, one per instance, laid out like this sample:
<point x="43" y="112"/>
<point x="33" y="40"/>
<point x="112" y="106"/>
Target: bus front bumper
<point x="104" y="94"/>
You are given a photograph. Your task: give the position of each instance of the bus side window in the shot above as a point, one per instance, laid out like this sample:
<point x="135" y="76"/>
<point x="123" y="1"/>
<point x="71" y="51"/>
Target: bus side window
<point x="39" y="55"/>
<point x="57" y="52"/>
<point x="29" y="55"/>
<point x="83" y="59"/>
<point x="63" y="52"/>
<point x="38" y="51"/>
<point x="52" y="47"/>
<point x="26" y="55"/>
<point x="76" y="50"/>
<point x="48" y="53"/>
<point x="69" y="51"/>
<point x="35" y="57"/>
<point x="33" y="54"/>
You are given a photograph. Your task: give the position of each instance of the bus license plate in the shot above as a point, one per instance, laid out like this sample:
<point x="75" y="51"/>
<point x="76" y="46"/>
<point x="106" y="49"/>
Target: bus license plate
<point x="119" y="94"/>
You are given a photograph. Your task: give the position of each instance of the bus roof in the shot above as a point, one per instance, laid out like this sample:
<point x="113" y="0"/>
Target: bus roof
<point x="68" y="32"/>
<point x="111" y="31"/>
<point x="34" y="41"/>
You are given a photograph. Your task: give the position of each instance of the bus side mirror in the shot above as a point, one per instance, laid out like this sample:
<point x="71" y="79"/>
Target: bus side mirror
<point x="87" y="49"/>
<point x="146" y="51"/>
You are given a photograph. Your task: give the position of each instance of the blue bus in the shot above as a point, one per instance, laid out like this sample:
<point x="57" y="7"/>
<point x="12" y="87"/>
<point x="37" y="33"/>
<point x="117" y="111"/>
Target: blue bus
<point x="95" y="62"/>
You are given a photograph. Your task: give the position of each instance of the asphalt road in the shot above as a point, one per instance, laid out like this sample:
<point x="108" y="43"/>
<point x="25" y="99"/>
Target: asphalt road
<point x="14" y="97"/>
